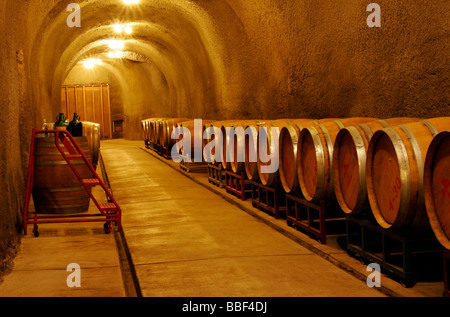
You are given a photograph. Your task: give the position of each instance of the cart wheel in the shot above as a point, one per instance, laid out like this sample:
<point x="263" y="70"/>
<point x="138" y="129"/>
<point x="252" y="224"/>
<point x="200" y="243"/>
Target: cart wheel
<point x="107" y="227"/>
<point x="36" y="233"/>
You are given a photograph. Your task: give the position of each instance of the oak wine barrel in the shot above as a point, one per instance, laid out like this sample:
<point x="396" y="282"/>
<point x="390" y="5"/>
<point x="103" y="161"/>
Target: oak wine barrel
<point x="394" y="173"/>
<point x="349" y="162"/>
<point x="288" y="151"/>
<point x="436" y="184"/>
<point x="56" y="189"/>
<point x="314" y="157"/>
<point x="91" y="131"/>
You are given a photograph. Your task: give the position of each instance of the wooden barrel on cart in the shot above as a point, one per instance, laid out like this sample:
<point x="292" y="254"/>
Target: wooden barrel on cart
<point x="349" y="162"/>
<point x="394" y="173"/>
<point x="437" y="187"/>
<point x="56" y="189"/>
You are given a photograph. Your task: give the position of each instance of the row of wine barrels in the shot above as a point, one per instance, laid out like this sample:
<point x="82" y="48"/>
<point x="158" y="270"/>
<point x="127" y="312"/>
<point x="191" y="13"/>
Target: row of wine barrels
<point x="156" y="130"/>
<point x="145" y="128"/>
<point x="159" y="130"/>
<point x="395" y="170"/>
<point x="436" y="183"/>
<point x="361" y="163"/>
<point x="56" y="189"/>
<point x="91" y="131"/>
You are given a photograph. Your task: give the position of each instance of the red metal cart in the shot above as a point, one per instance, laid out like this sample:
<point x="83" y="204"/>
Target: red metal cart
<point x="110" y="212"/>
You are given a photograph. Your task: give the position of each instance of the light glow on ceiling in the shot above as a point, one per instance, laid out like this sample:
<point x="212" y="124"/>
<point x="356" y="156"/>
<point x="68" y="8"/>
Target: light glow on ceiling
<point x="115" y="44"/>
<point x="115" y="54"/>
<point x="119" y="28"/>
<point x="131" y="1"/>
<point x="91" y="62"/>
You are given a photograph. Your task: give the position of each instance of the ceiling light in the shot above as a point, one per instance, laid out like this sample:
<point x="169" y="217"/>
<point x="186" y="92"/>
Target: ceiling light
<point x="115" y="44"/>
<point x="131" y="1"/>
<point x="91" y="62"/>
<point x="115" y="54"/>
<point x="118" y="28"/>
<point x="128" y="29"/>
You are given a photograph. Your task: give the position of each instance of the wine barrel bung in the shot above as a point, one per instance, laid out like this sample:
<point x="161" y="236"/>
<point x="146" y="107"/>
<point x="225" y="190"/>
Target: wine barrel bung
<point x="315" y="158"/>
<point x="436" y="184"/>
<point x="349" y="162"/>
<point x="394" y="173"/>
<point x="56" y="189"/>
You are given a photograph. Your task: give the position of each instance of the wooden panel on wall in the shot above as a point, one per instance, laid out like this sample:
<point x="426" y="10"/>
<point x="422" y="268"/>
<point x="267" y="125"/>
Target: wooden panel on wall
<point x="91" y="103"/>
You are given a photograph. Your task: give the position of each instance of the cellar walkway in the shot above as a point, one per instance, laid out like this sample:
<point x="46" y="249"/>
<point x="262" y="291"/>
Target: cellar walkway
<point x="184" y="237"/>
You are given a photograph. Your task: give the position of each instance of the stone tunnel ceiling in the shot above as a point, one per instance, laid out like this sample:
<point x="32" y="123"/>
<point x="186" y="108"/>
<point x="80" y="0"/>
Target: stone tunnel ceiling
<point x="251" y="59"/>
<point x="218" y="59"/>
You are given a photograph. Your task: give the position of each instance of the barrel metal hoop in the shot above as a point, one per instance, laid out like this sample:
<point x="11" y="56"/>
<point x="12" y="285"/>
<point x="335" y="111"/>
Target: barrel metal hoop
<point x="434" y="131"/>
<point x="420" y="163"/>
<point x="405" y="174"/>
<point x="330" y="147"/>
<point x="361" y="157"/>
<point x="320" y="158"/>
<point x="291" y="133"/>
<point x="367" y="131"/>
<point x="339" y="124"/>
<point x="384" y="123"/>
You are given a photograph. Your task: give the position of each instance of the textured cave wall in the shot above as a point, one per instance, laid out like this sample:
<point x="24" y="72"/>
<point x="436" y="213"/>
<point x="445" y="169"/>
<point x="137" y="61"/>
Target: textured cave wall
<point x="317" y="59"/>
<point x="219" y="59"/>
<point x="14" y="137"/>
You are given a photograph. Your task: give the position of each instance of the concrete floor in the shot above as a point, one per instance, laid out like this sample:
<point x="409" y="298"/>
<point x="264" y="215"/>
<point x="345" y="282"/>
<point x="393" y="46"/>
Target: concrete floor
<point x="186" y="238"/>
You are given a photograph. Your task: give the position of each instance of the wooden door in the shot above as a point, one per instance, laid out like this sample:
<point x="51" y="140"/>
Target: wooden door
<point x="91" y="103"/>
